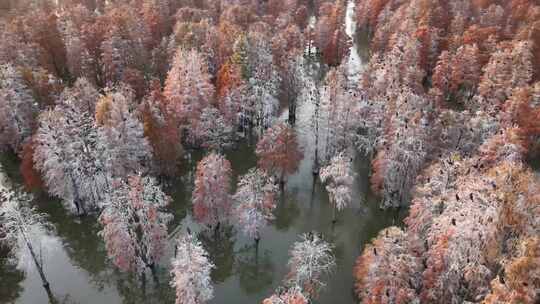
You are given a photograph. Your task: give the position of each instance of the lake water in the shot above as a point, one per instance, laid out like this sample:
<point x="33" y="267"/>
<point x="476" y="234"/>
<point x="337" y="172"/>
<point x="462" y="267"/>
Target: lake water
<point x="79" y="272"/>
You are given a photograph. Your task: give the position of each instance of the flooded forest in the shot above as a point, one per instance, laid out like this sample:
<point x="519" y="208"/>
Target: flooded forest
<point x="270" y="151"/>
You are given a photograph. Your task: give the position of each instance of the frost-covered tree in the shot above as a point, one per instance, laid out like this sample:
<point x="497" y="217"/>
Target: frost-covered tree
<point x="121" y="135"/>
<point x="20" y="228"/>
<point x="292" y="83"/>
<point x="310" y="262"/>
<point x="404" y="148"/>
<point x="211" y="195"/>
<point x="188" y="87"/>
<point x="278" y="151"/>
<point x="213" y="130"/>
<point x="14" y="49"/>
<point x="191" y="272"/>
<point x="68" y="156"/>
<point x="387" y="271"/>
<point x="338" y="177"/>
<point x="135" y="224"/>
<point x="124" y="45"/>
<point x="339" y="117"/>
<point x="263" y="79"/>
<point x="73" y="23"/>
<point x="293" y="295"/>
<point x="254" y="202"/>
<point x="17" y="109"/>
<point x="82" y="95"/>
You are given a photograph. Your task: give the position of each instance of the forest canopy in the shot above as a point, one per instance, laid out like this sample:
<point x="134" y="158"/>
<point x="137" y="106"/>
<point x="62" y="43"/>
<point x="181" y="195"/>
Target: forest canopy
<point x="104" y="103"/>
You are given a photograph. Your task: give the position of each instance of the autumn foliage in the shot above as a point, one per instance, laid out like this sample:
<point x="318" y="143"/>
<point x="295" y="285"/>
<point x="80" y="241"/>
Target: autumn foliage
<point x="456" y="80"/>
<point x="278" y="151"/>
<point x="32" y="178"/>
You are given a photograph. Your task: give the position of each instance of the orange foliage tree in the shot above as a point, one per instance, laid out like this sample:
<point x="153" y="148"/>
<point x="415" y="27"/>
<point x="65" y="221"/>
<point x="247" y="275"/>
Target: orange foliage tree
<point x="278" y="151"/>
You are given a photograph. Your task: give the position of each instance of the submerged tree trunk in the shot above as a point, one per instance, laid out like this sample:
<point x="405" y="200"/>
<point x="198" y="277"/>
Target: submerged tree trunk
<point x="257" y="240"/>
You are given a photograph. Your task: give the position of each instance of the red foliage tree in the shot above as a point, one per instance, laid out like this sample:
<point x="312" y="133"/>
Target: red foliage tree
<point x="330" y="36"/>
<point x="161" y="129"/>
<point x="31" y="177"/>
<point x="278" y="151"/>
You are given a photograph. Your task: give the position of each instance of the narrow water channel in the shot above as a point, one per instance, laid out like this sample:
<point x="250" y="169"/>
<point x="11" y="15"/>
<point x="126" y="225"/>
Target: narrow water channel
<point x="79" y="272"/>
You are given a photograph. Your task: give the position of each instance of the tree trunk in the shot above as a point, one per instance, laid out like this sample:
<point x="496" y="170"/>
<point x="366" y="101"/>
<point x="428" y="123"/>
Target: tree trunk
<point x="143" y="284"/>
<point x="154" y="273"/>
<point x="334" y="216"/>
<point x="292" y="112"/>
<point x="257" y="240"/>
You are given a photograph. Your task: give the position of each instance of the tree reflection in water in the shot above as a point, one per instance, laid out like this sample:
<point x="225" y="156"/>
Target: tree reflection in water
<point x="220" y="248"/>
<point x="9" y="289"/>
<point x="255" y="270"/>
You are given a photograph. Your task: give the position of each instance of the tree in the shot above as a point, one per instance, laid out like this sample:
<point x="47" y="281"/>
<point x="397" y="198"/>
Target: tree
<point x="17" y="109"/>
<point x="68" y="156"/>
<point x="45" y="87"/>
<point x="20" y="227"/>
<point x="292" y="84"/>
<point x="211" y="195"/>
<point x="388" y="271"/>
<point x="508" y="68"/>
<point x="15" y="50"/>
<point x="73" y="20"/>
<point x="135" y="224"/>
<point x="41" y="27"/>
<point x="157" y="16"/>
<point x="405" y="147"/>
<point x="330" y="34"/>
<point x="262" y="77"/>
<point x="339" y="115"/>
<point x="339" y="178"/>
<point x="517" y="283"/>
<point x="31" y="177"/>
<point x="82" y="94"/>
<point x="278" y="151"/>
<point x="311" y="260"/>
<point x="121" y="135"/>
<point x="254" y="201"/>
<point x="161" y="129"/>
<point x="188" y="88"/>
<point x="125" y="43"/>
<point x="292" y="295"/>
<point x="191" y="271"/>
<point x="213" y="131"/>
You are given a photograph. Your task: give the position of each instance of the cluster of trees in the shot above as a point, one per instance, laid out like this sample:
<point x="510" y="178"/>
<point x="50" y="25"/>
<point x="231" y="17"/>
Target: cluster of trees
<point x="101" y="99"/>
<point x="455" y="88"/>
<point x="439" y="66"/>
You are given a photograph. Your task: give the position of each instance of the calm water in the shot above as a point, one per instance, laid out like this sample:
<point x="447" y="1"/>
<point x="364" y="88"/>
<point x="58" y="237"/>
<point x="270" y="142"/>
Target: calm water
<point x="79" y="272"/>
